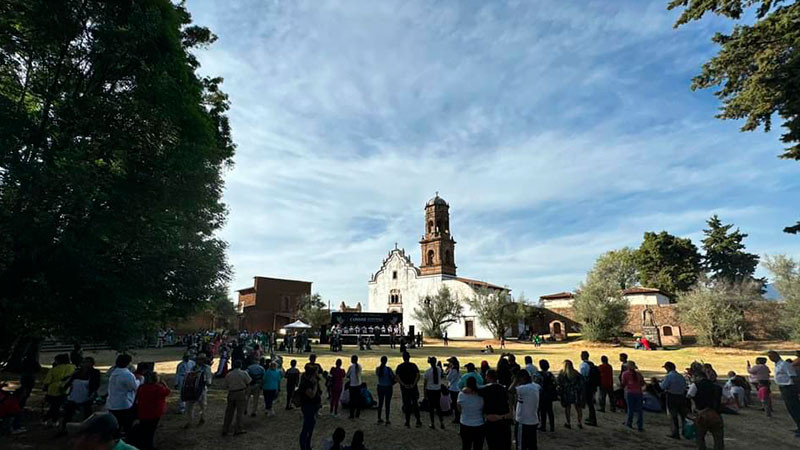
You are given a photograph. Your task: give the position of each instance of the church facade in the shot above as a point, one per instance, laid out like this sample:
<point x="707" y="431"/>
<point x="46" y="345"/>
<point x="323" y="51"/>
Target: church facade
<point x="399" y="285"/>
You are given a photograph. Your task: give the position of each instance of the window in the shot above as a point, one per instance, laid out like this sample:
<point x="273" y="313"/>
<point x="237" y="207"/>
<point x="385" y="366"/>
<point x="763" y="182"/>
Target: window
<point x="430" y="226"/>
<point x="430" y="257"/>
<point x="394" y="275"/>
<point x="666" y="330"/>
<point x="394" y="297"/>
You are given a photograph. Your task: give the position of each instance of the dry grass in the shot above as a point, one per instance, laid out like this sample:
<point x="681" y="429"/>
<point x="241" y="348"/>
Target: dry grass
<point x="749" y="430"/>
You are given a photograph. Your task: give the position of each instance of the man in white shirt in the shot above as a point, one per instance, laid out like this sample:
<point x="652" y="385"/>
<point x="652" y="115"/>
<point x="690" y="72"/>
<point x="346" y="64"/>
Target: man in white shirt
<point x="122" y="385"/>
<point x="530" y="367"/>
<point x="527" y="411"/>
<point x="783" y="378"/>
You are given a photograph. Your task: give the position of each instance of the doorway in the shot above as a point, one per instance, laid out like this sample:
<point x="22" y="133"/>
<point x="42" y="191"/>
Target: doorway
<point x="469" y="328"/>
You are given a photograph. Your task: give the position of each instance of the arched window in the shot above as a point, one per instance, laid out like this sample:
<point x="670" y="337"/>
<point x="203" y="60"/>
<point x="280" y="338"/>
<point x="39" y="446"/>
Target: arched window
<point x="666" y="330"/>
<point x="394" y="297"/>
<point x="430" y="226"/>
<point x="439" y="226"/>
<point x="430" y="257"/>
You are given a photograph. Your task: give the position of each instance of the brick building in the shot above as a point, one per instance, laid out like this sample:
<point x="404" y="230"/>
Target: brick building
<point x="270" y="303"/>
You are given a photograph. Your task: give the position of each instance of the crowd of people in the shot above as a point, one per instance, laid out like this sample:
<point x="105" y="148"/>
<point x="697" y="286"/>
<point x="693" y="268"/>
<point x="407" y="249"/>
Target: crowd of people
<point x="490" y="405"/>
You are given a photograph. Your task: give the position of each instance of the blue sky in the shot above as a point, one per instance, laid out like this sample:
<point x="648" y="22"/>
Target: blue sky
<point x="556" y="130"/>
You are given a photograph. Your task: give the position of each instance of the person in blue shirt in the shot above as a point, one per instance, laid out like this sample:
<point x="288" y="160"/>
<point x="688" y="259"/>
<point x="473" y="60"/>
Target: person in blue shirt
<point x="471" y="373"/>
<point x="674" y="386"/>
<point x="272" y="379"/>
<point x="256" y="371"/>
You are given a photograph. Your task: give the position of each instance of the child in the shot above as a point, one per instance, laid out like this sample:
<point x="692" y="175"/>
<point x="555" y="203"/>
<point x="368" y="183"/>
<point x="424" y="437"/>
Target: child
<point x="760" y="377"/>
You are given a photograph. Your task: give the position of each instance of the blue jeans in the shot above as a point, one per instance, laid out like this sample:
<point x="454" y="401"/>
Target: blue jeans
<point x="634" y="402"/>
<point x="309" y="422"/>
<point x="384" y="398"/>
<point x="269" y="398"/>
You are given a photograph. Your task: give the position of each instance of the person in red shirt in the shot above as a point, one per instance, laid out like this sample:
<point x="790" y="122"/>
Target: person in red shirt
<point x="606" y="384"/>
<point x="632" y="384"/>
<point x="151" y="399"/>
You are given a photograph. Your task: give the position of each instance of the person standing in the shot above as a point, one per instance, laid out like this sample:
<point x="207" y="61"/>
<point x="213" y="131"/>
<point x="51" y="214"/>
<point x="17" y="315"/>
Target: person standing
<point x="571" y="391"/>
<point x="151" y="405"/>
<point x="256" y="371"/>
<point x="337" y="375"/>
<point x="471" y="406"/>
<point x="497" y="428"/>
<point x="292" y="380"/>
<point x="760" y="379"/>
<point x="674" y="386"/>
<point x="195" y="388"/>
<point x="445" y="339"/>
<point x="527" y="411"/>
<point x="310" y="400"/>
<point x="530" y="367"/>
<point x="386" y="381"/>
<point x="783" y="378"/>
<point x="707" y="398"/>
<point x="122" y="385"/>
<point x="236" y="381"/>
<point x="433" y="391"/>
<point x="547" y="395"/>
<point x="453" y="377"/>
<point x="185" y="366"/>
<point x="591" y="376"/>
<point x="82" y="385"/>
<point x="606" y="385"/>
<point x="623" y="360"/>
<point x="354" y="377"/>
<point x="632" y="385"/>
<point x="408" y="377"/>
<point x="54" y="385"/>
<point x="272" y="380"/>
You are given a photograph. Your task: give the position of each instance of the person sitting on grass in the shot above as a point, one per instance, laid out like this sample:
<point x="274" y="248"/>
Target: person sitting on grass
<point x="335" y="442"/>
<point x="358" y="441"/>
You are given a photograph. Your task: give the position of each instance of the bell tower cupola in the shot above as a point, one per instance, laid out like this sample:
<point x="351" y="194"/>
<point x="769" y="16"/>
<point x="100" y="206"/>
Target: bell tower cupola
<point x="438" y="246"/>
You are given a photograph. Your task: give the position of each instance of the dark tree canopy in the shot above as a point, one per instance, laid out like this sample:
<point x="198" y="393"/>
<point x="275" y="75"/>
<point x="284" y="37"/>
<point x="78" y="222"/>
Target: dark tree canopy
<point x="725" y="258"/>
<point x="668" y="262"/>
<point x="111" y="158"/>
<point x="757" y="68"/>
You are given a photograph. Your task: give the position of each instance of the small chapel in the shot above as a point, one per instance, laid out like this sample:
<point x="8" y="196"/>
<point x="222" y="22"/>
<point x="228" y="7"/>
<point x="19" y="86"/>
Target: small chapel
<point x="399" y="285"/>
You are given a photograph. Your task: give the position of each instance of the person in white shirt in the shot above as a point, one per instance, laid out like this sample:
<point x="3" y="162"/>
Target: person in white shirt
<point x="783" y="378"/>
<point x="453" y="377"/>
<point x="470" y="403"/>
<point x="433" y="391"/>
<point x="527" y="411"/>
<point x="530" y="367"/>
<point x="185" y="366"/>
<point x="122" y="385"/>
<point x="354" y="376"/>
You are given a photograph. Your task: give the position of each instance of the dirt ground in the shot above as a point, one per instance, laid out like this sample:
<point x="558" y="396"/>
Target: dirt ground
<point x="751" y="429"/>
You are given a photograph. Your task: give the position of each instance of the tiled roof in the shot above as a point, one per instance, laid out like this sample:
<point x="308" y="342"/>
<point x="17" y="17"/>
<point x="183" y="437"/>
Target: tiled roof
<point x="559" y="296"/>
<point x="481" y="283"/>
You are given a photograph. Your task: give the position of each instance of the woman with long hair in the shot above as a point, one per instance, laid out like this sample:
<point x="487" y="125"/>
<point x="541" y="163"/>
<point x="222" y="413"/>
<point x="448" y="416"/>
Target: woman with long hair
<point x="453" y="377"/>
<point x="470" y="403"/>
<point x="571" y="389"/>
<point x="386" y="382"/>
<point x="354" y="378"/>
<point x="357" y="443"/>
<point x="337" y="375"/>
<point x="433" y="391"/>
<point x="632" y="384"/>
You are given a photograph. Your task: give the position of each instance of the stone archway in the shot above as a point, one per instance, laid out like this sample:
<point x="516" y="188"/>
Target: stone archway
<point x="558" y="331"/>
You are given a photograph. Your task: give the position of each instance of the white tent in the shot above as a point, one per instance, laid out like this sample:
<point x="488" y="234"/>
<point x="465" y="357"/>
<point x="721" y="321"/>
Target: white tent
<point x="297" y="324"/>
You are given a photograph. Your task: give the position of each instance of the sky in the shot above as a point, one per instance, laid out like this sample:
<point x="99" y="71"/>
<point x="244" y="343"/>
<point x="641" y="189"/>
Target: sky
<point x="556" y="130"/>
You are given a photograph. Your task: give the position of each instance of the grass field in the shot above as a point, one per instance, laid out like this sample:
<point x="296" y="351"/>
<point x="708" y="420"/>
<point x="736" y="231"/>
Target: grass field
<point x="751" y="429"/>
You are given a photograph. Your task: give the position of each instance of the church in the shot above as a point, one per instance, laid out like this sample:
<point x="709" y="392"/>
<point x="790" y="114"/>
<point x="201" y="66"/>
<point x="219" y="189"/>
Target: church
<point x="399" y="285"/>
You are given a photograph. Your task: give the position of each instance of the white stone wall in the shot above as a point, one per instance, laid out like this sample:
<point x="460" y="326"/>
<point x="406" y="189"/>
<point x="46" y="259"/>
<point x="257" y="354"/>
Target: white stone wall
<point x="414" y="287"/>
<point x="650" y="299"/>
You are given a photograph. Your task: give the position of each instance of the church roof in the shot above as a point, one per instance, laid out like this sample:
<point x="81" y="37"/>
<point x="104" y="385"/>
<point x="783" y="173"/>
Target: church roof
<point x="645" y="290"/>
<point x="436" y="201"/>
<point x="558" y="296"/>
<point x="479" y="283"/>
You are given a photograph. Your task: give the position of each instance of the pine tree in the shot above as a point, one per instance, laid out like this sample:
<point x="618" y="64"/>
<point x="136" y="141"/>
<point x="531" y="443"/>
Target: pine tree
<point x="666" y="262"/>
<point x="725" y="259"/>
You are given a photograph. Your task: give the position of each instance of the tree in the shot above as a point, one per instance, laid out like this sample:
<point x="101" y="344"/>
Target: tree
<point x="757" y="66"/>
<point x="725" y="258"/>
<point x="112" y="151"/>
<point x="618" y="267"/>
<point x="312" y="311"/>
<point x="436" y="311"/>
<point x="600" y="306"/>
<point x="496" y="310"/>
<point x="666" y="262"/>
<point x="716" y="310"/>
<point x="786" y="277"/>
<point x="222" y="310"/>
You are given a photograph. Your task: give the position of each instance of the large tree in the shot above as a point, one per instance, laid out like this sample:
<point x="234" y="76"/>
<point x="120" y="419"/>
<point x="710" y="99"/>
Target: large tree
<point x="724" y="256"/>
<point x="786" y="277"/>
<point x="667" y="262"/>
<point x="716" y="310"/>
<point x="618" y="267"/>
<point x="600" y="306"/>
<point x="312" y="311"/>
<point x="498" y="311"/>
<point x="112" y="150"/>
<point x="757" y="67"/>
<point x="436" y="311"/>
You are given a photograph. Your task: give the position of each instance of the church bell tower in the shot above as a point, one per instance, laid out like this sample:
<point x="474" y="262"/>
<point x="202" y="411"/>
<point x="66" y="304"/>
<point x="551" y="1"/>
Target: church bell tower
<point x="438" y="246"/>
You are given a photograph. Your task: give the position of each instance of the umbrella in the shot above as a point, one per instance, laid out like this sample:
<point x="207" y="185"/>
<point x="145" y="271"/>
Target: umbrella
<point x="297" y="324"/>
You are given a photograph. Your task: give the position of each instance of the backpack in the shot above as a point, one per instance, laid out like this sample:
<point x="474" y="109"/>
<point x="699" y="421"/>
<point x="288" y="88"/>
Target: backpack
<point x="193" y="385"/>
<point x="594" y="376"/>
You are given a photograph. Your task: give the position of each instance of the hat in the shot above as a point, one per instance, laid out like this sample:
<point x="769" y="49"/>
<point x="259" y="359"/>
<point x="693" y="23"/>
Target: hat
<point x="103" y="424"/>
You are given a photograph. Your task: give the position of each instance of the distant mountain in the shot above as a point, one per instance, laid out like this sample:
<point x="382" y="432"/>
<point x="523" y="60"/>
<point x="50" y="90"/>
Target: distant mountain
<point x="772" y="293"/>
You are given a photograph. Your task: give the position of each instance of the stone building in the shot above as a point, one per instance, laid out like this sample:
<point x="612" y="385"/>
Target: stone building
<point x="270" y="303"/>
<point x="399" y="285"/>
